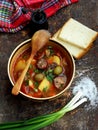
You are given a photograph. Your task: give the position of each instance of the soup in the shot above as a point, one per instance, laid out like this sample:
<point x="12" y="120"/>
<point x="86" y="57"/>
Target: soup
<point x="49" y="72"/>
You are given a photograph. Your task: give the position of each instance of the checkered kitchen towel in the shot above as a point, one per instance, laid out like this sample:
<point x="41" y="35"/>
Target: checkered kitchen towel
<point x="13" y="19"/>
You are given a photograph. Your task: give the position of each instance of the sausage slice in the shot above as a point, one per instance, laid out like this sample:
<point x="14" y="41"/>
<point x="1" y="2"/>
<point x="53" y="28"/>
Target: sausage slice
<point x="60" y="82"/>
<point x="42" y="63"/>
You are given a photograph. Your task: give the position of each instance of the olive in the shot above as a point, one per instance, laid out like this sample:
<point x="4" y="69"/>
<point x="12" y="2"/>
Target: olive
<point x="39" y="77"/>
<point x="58" y="70"/>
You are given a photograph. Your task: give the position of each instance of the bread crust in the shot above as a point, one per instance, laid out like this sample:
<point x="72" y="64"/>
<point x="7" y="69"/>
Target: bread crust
<point x="84" y="52"/>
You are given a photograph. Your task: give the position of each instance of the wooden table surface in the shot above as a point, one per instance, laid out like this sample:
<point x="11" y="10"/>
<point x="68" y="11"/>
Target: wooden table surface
<point x="14" y="108"/>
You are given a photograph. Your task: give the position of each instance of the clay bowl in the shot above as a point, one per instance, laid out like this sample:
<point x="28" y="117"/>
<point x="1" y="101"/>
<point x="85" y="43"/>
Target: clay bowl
<point x="27" y="45"/>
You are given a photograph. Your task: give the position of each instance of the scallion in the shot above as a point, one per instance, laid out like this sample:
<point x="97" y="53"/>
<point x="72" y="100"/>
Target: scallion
<point x="44" y="120"/>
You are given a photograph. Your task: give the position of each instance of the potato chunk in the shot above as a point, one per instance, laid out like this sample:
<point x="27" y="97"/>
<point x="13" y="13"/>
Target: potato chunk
<point x="54" y="59"/>
<point x="44" y="85"/>
<point x="21" y="64"/>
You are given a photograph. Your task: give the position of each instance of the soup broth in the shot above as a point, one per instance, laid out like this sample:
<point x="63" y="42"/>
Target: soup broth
<point x="49" y="72"/>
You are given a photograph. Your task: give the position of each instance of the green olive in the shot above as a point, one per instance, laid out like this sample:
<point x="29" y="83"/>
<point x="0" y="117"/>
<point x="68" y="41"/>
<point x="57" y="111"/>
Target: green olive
<point x="39" y="77"/>
<point x="58" y="70"/>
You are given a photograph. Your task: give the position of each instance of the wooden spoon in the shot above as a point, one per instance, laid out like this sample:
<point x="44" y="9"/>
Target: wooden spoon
<point x="39" y="39"/>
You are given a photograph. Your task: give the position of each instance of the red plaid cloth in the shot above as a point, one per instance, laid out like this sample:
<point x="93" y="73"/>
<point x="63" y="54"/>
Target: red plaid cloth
<point x="12" y="18"/>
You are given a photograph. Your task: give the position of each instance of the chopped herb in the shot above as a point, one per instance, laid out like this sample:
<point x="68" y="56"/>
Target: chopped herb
<point x="26" y="82"/>
<point x="36" y="84"/>
<point x="25" y="57"/>
<point x="45" y="89"/>
<point x="27" y="73"/>
<point x="50" y="70"/>
<point x="27" y="76"/>
<point x="31" y="66"/>
<point x="50" y="77"/>
<point x="36" y="70"/>
<point x="51" y="52"/>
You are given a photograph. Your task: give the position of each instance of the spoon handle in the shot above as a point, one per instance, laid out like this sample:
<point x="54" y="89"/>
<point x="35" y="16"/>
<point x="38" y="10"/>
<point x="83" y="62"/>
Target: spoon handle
<point x="16" y="88"/>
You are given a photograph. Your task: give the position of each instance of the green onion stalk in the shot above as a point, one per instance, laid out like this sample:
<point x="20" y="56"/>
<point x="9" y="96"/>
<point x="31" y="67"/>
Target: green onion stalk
<point x="39" y="122"/>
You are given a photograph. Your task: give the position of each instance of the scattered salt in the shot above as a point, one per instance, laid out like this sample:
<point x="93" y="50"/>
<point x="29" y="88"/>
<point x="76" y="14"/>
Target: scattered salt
<point x="89" y="90"/>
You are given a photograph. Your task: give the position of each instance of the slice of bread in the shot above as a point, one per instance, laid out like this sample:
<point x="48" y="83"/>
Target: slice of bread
<point x="76" y="51"/>
<point x="77" y="34"/>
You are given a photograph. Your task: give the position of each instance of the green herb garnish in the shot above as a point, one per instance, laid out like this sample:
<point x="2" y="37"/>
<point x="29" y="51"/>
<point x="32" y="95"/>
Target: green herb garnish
<point x="31" y="66"/>
<point x="51" y="50"/>
<point x="36" y="84"/>
<point x="49" y="75"/>
<point x="26" y="82"/>
<point x="45" y="89"/>
<point x="37" y="71"/>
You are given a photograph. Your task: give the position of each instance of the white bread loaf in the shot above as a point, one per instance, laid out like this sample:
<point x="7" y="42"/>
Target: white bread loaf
<point x="77" y="34"/>
<point x="76" y="51"/>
